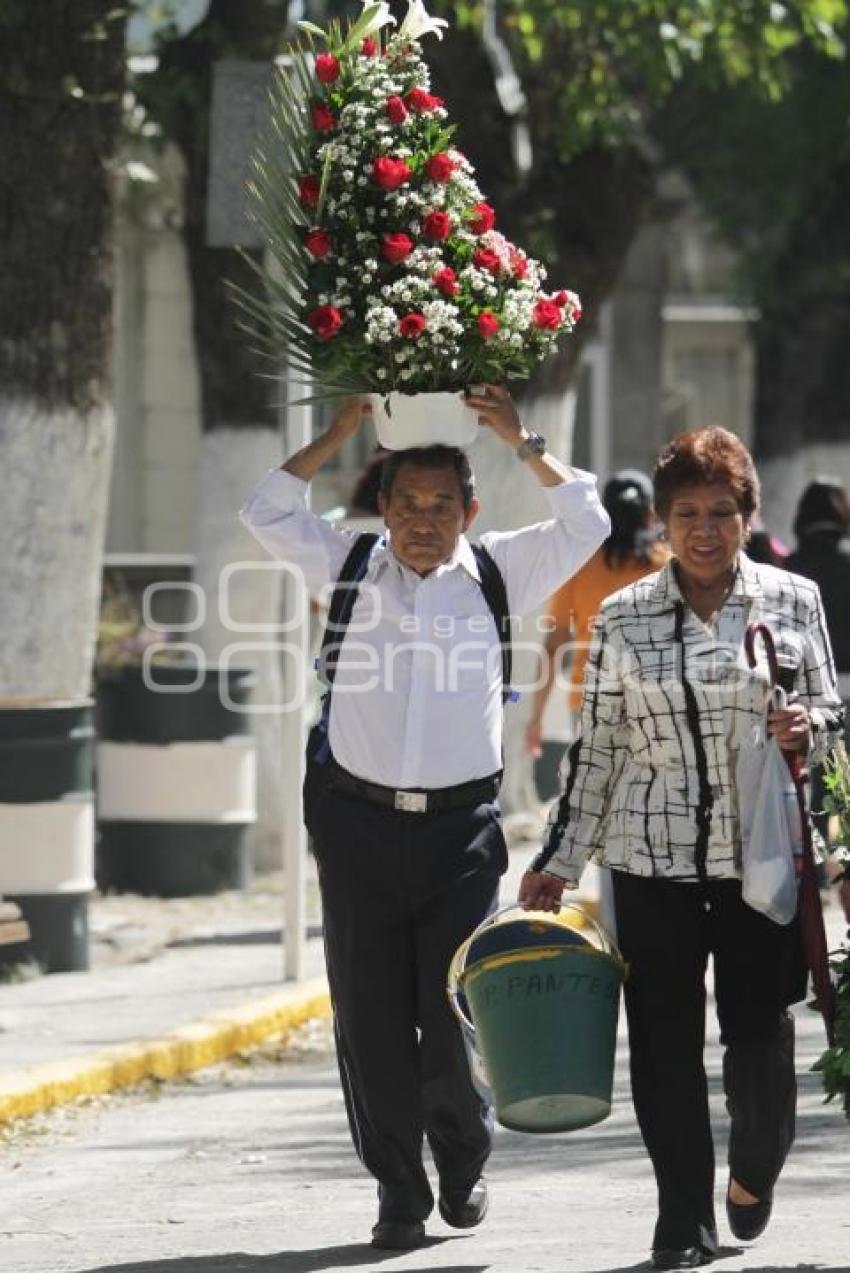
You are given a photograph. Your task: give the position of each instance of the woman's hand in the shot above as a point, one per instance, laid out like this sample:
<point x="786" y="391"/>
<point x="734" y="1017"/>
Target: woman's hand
<point x="790" y="726"/>
<point x="540" y="891"/>
<point x="496" y="410"/>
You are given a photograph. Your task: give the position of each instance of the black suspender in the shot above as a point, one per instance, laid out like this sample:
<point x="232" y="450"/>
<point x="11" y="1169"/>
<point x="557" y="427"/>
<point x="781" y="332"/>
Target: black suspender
<point x="496" y="596"/>
<point x="342" y="604"/>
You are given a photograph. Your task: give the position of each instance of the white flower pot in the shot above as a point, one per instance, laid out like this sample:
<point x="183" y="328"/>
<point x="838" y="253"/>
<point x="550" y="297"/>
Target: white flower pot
<point x="424" y="419"/>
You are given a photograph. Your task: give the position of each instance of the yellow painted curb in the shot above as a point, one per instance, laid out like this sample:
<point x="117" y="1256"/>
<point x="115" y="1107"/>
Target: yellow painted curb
<point x="191" y="1047"/>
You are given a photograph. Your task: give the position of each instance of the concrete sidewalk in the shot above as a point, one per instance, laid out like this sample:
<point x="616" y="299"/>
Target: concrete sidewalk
<point x="174" y="985"/>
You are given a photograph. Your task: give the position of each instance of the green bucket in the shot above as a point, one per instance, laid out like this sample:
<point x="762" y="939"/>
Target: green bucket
<point x="538" y="1003"/>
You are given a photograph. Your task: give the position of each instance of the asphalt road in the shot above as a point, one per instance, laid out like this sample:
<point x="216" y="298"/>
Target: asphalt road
<point x="248" y="1169"/>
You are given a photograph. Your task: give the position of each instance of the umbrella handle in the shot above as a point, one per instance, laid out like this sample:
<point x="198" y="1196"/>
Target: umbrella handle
<point x="762" y="630"/>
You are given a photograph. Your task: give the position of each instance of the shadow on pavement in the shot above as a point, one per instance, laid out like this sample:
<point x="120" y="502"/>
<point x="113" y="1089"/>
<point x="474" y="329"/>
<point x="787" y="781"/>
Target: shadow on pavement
<point x="327" y="1257"/>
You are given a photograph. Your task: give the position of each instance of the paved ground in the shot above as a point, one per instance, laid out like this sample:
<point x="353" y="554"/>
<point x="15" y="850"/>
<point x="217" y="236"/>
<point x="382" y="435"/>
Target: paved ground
<point x="248" y="1169"/>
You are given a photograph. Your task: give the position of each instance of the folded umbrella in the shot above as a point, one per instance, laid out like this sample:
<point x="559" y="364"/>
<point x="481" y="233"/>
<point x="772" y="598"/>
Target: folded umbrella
<point x="810" y="911"/>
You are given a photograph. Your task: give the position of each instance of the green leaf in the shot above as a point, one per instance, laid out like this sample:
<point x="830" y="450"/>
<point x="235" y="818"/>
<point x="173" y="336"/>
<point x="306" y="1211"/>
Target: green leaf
<point x="360" y="27"/>
<point x="312" y="29"/>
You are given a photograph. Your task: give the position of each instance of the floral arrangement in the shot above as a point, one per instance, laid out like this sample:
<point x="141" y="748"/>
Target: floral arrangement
<point x="834" y="1064"/>
<point x="389" y="271"/>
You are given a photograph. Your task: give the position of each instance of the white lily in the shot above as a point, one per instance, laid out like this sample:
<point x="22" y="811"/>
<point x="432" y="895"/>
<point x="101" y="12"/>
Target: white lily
<point x="419" y="23"/>
<point x="374" y="21"/>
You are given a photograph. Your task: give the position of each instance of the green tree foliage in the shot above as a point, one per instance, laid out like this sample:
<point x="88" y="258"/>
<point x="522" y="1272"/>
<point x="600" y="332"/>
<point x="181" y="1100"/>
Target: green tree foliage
<point x="775" y="176"/>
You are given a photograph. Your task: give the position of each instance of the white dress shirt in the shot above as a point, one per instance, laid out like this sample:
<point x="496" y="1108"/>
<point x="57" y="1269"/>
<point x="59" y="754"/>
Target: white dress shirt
<point x="417" y="695"/>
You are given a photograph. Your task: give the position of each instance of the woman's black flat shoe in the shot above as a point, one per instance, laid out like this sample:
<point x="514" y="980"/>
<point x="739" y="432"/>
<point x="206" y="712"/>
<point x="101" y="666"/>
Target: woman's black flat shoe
<point x="747" y="1221"/>
<point x="690" y="1257"/>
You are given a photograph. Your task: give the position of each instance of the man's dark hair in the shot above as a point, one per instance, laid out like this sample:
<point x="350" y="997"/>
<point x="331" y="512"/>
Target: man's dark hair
<point x="430" y="457"/>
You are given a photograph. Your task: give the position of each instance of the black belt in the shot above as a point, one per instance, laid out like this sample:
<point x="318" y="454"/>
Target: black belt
<point x="414" y="800"/>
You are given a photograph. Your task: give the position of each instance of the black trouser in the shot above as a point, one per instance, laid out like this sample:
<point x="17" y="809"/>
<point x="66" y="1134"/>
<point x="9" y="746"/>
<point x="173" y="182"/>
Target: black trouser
<point x="400" y="892"/>
<point x="666" y="931"/>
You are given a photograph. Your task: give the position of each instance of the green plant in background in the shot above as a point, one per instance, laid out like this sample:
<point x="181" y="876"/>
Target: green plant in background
<point x="389" y="272"/>
<point x="834" y="1064"/>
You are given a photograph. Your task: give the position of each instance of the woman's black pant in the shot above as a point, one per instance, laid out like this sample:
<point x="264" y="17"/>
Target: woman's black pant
<point x="666" y="931"/>
<point x="400" y="892"/>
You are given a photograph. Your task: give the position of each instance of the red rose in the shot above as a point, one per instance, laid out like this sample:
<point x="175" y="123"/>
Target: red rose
<point x="488" y="324"/>
<point x="437" y="225"/>
<point x="308" y="191"/>
<point x="487" y="259"/>
<point x="369" y="47"/>
<point x="327" y="68"/>
<point x="519" y="264"/>
<point x="482" y="218"/>
<point x="570" y="301"/>
<point x="445" y="281"/>
<point x="440" y="167"/>
<point x="396" y="110"/>
<point x="325" y="321"/>
<point x="390" y="173"/>
<point x="324" y="120"/>
<point x="548" y="315"/>
<point x="318" y="243"/>
<point x="412" y="326"/>
<point x="396" y="247"/>
<point x="421" y="101"/>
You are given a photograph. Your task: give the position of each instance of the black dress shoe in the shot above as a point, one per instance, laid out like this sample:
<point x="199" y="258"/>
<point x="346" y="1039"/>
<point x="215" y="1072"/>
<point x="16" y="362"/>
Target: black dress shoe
<point x="398" y="1235"/>
<point x="464" y="1211"/>
<point x="748" y="1220"/>
<point x="689" y="1257"/>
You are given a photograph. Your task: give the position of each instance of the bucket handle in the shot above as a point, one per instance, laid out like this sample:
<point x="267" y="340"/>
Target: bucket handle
<point x="457" y="967"/>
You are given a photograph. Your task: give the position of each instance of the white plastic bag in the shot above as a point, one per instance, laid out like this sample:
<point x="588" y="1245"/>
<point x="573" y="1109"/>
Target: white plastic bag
<point x="771" y="830"/>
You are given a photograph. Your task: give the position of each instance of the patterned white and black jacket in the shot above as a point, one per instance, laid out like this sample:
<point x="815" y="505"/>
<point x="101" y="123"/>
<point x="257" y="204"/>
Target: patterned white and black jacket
<point x="667" y="701"/>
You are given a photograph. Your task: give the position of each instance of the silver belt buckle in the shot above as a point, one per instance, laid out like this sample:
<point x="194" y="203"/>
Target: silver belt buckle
<point x="411" y="801"/>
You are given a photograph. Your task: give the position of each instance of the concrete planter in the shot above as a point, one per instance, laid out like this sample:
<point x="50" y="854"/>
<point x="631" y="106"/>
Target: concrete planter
<point x="47" y="826"/>
<point x="176" y="782"/>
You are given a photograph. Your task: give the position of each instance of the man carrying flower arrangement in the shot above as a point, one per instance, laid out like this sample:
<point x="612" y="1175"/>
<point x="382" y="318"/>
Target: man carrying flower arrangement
<point x="403" y="810"/>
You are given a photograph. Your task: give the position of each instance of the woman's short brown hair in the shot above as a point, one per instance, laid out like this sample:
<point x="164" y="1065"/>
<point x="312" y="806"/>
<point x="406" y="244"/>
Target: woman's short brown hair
<point x="702" y="458"/>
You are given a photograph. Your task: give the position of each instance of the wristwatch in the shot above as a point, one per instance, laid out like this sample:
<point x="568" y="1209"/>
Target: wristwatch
<point x="534" y="444"/>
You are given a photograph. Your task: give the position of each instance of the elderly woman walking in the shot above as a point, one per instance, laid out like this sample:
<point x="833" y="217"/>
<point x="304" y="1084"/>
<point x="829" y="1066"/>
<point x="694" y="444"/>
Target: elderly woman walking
<point x="668" y="698"/>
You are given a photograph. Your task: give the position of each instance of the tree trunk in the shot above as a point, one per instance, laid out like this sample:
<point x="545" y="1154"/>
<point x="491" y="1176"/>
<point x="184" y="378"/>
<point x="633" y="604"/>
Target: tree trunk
<point x="59" y="129"/>
<point x="238" y="402"/>
<point x="802" y="412"/>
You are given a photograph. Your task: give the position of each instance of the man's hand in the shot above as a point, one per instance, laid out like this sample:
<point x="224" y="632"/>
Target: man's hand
<point x="496" y="410"/>
<point x="348" y="419"/>
<point x="350" y="416"/>
<point x="540" y="891"/>
<point x="790" y="727"/>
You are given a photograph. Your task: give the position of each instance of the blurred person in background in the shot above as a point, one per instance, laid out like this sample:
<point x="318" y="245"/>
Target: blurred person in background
<point x="631" y="551"/>
<point x="821" y="525"/>
<point x="764" y="547"/>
